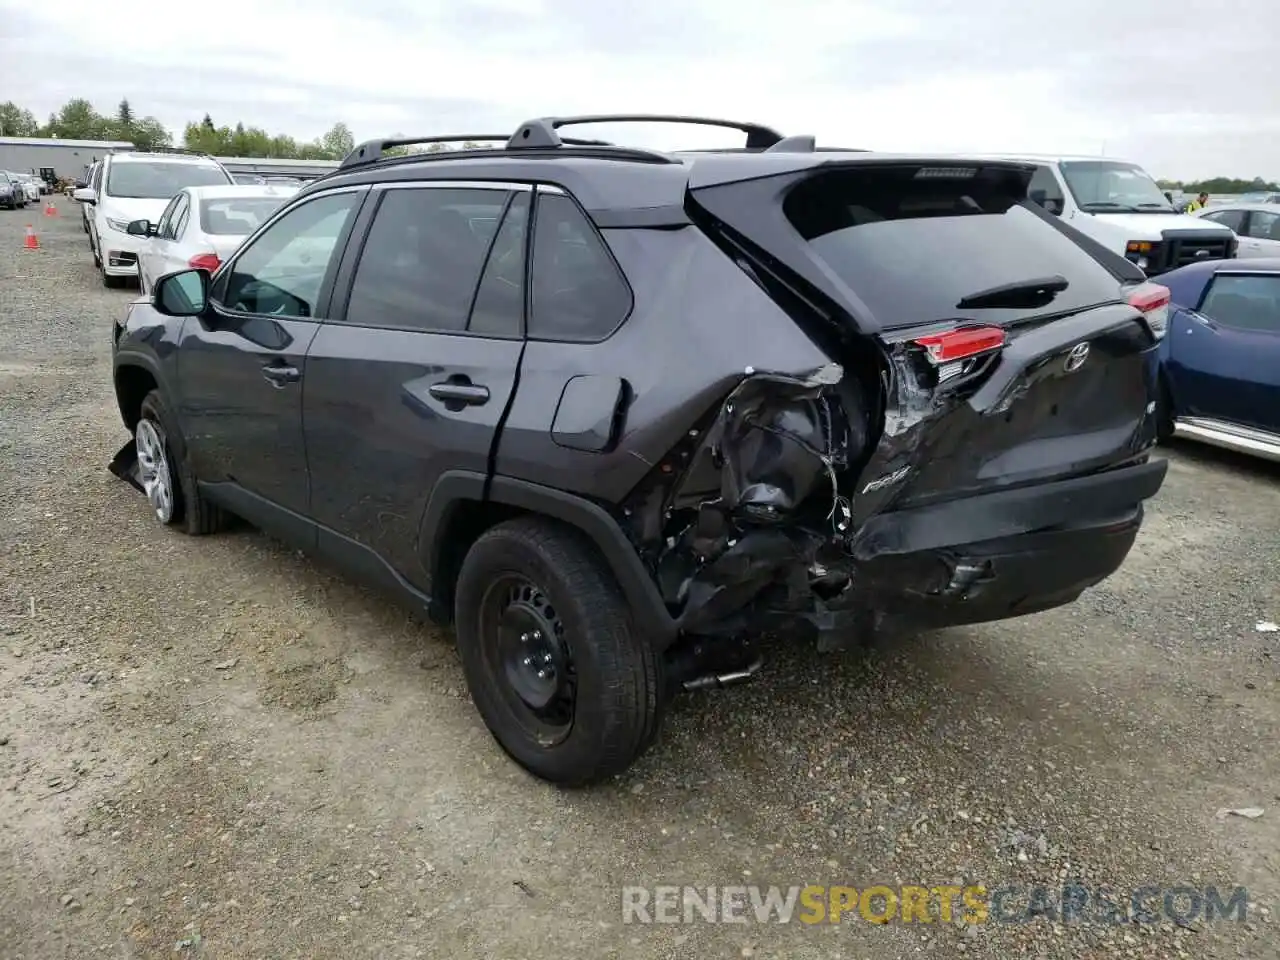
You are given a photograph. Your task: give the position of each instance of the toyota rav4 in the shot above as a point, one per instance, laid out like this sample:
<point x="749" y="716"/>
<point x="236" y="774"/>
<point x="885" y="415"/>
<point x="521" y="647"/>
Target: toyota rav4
<point x="613" y="413"/>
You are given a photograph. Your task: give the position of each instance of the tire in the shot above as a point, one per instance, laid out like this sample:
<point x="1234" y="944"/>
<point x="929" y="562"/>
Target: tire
<point x="536" y="571"/>
<point x="196" y="515"/>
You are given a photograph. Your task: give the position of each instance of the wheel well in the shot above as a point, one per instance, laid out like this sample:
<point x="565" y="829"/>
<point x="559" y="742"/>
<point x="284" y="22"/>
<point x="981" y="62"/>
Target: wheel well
<point x="132" y="386"/>
<point x="467" y="522"/>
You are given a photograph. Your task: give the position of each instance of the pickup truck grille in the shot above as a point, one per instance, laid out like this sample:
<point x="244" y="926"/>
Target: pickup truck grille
<point x="1180" y="249"/>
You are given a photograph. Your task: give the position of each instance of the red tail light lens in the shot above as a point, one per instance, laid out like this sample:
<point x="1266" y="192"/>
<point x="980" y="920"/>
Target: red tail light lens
<point x="960" y="344"/>
<point x="204" y="261"/>
<point x="1154" y="300"/>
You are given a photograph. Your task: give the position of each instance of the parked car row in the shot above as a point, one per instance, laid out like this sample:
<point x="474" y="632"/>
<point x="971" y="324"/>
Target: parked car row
<point x="147" y="213"/>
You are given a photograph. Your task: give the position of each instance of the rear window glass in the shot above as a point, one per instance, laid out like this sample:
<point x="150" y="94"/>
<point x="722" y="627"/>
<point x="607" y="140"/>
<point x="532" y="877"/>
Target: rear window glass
<point x="236" y="216"/>
<point x="911" y="244"/>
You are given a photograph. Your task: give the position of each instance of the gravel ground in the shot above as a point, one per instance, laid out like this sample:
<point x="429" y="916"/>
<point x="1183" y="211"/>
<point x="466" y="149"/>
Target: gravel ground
<point x="215" y="748"/>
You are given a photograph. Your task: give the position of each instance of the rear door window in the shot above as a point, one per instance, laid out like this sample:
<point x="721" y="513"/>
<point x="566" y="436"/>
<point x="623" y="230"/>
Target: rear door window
<point x="911" y="243"/>
<point x="423" y="256"/>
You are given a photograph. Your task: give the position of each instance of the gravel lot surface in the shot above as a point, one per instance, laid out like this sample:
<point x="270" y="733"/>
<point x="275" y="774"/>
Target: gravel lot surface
<point x="212" y="747"/>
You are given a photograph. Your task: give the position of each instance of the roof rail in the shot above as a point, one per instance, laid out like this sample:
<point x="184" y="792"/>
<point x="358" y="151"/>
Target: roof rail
<point x="542" y="131"/>
<point x="371" y="151"/>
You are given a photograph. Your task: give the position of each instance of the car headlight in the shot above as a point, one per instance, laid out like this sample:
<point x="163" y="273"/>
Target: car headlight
<point x="114" y="224"/>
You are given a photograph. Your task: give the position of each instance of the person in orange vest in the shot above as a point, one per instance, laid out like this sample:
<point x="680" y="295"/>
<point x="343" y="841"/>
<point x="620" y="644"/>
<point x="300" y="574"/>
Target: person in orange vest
<point x="1199" y="203"/>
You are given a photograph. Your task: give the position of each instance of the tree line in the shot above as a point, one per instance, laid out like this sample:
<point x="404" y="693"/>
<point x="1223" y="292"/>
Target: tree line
<point x="1227" y="185"/>
<point x="79" y="120"/>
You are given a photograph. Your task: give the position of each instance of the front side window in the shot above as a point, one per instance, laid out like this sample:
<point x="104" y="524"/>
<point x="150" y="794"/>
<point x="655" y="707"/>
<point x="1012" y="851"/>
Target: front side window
<point x="1109" y="186"/>
<point x="160" y="180"/>
<point x="173" y="227"/>
<point x="1244" y="302"/>
<point x="423" y="258"/>
<point x="1231" y="219"/>
<point x="283" y="270"/>
<point x="1045" y="190"/>
<point x="1263" y="225"/>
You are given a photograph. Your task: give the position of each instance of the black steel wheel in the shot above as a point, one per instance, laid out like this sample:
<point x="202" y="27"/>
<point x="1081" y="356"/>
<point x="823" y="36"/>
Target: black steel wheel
<point x="558" y="672"/>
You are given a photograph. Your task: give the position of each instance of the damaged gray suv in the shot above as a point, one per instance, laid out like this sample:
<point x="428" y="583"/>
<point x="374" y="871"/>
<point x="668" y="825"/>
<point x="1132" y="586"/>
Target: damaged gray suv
<point x="616" y="413"/>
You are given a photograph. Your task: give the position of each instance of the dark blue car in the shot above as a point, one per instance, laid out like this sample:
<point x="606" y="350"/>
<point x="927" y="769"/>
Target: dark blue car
<point x="1220" y="357"/>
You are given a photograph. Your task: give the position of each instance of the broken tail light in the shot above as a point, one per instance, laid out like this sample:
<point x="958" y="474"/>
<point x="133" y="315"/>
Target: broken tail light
<point x="1154" y="301"/>
<point x="204" y="261"/>
<point x="960" y="344"/>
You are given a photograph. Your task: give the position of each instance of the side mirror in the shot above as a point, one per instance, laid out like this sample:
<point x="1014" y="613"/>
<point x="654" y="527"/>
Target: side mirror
<point x="86" y="195"/>
<point x="138" y="228"/>
<point x="181" y="294"/>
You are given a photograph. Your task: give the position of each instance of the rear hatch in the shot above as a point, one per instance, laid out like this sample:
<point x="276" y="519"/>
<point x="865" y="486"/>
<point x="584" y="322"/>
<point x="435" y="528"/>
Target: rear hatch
<point x="999" y="341"/>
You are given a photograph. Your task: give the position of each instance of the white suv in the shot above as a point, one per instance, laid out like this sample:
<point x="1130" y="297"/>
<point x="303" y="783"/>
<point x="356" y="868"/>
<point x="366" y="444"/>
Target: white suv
<point x="137" y="186"/>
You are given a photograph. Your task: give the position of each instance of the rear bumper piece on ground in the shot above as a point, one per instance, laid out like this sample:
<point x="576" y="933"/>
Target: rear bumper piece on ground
<point x="1229" y="436"/>
<point x="120" y="263"/>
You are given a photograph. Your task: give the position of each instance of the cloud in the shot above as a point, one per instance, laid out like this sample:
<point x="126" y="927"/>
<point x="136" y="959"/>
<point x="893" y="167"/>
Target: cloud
<point x="1138" y="79"/>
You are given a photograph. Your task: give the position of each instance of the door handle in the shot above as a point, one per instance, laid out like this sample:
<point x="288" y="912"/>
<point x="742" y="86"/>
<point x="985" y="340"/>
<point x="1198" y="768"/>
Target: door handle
<point x="280" y="374"/>
<point x="454" y="391"/>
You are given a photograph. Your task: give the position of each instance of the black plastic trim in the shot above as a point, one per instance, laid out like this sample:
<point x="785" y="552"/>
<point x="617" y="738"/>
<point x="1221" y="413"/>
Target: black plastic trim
<point x="454" y="486"/>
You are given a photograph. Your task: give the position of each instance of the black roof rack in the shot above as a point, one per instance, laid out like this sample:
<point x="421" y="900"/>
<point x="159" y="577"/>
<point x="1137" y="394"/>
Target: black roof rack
<point x="371" y="151"/>
<point x="542" y="132"/>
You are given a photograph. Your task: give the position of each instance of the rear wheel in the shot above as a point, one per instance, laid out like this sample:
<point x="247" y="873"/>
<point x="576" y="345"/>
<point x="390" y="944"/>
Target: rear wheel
<point x="556" y="668"/>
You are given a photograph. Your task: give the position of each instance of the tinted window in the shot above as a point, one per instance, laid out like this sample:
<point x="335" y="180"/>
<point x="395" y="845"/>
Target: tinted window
<point x="578" y="292"/>
<point x="159" y="180"/>
<point x="282" y="270"/>
<point x="499" y="306"/>
<point x="1264" y="225"/>
<point x="1244" y="303"/>
<point x="911" y="243"/>
<point x="236" y="216"/>
<point x="423" y="257"/>
<point x="1233" y="219"/>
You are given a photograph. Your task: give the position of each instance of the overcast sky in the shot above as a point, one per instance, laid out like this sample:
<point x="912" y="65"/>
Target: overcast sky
<point x="1140" y="79"/>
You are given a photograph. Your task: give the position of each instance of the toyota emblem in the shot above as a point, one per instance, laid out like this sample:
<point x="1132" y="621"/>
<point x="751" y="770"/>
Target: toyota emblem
<point x="1076" y="358"/>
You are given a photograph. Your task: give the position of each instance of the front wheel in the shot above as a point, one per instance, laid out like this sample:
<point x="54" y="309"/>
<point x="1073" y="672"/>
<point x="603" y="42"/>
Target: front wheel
<point x="164" y="475"/>
<point x="556" y="668"/>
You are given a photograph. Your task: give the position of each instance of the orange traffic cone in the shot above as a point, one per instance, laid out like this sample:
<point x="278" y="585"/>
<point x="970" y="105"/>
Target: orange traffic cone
<point x="50" y="210"/>
<point x="32" y="242"/>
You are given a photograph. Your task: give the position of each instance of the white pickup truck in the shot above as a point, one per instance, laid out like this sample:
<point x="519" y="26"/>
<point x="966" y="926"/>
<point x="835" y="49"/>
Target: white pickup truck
<point x="1119" y="205"/>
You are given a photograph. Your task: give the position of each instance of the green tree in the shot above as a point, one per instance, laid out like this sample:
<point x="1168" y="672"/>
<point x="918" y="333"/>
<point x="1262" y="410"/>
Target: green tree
<point x="149" y="133"/>
<point x="338" y="142"/>
<point x="77" y="120"/>
<point x="16" y="122"/>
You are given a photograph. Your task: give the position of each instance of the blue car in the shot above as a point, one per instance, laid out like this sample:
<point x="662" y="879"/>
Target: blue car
<point x="1220" y="357"/>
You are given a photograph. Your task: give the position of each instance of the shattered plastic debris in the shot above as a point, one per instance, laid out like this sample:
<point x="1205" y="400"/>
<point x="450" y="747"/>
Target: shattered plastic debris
<point x="1266" y="626"/>
<point x="1249" y="813"/>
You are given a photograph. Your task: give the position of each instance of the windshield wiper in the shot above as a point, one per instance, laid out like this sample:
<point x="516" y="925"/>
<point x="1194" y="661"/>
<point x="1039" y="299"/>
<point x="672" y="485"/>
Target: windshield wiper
<point x="1035" y="292"/>
<point x="1107" y="205"/>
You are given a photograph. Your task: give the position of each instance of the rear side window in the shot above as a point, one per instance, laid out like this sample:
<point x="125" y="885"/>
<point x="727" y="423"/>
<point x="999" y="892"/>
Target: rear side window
<point x="912" y="243"/>
<point x="423" y="258"/>
<point x="1244" y="303"/>
<point x="578" y="293"/>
